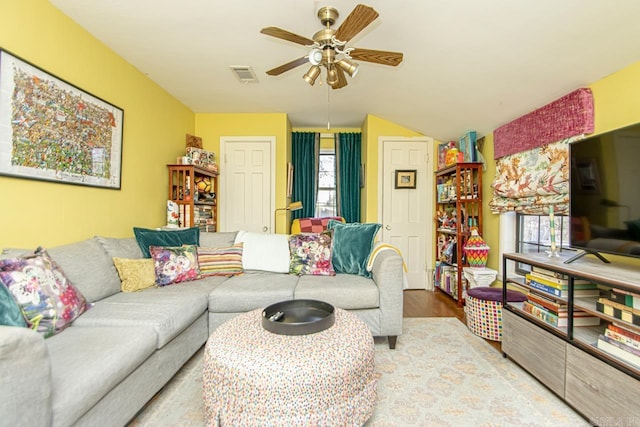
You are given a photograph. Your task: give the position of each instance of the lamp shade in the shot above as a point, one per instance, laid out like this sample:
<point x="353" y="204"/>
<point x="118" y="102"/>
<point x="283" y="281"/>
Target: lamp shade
<point x="311" y="75"/>
<point x="349" y="67"/>
<point x="315" y="56"/>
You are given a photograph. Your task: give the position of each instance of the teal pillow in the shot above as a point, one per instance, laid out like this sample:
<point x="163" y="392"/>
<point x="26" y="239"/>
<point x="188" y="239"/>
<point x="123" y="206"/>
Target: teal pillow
<point x="10" y="313"/>
<point x="147" y="237"/>
<point x="352" y="245"/>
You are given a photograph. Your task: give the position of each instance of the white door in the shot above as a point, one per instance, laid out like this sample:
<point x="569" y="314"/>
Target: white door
<point x="406" y="213"/>
<point x="246" y="181"/>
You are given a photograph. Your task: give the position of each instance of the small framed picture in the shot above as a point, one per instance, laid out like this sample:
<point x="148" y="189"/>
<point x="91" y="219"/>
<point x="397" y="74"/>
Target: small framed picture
<point x="405" y="179"/>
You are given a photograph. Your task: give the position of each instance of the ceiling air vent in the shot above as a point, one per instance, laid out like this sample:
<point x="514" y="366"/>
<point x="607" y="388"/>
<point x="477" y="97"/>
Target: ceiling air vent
<point x="244" y="73"/>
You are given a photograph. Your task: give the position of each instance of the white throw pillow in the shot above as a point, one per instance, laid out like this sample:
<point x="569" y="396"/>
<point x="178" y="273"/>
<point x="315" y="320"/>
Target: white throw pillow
<point x="266" y="252"/>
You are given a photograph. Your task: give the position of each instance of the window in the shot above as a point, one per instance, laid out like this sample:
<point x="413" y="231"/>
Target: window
<point x="532" y="235"/>
<point x="326" y="201"/>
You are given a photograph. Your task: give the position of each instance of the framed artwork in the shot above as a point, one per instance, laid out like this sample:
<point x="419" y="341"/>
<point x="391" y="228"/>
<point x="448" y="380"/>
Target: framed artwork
<point x="54" y="131"/>
<point x="405" y="179"/>
<point x="289" y="179"/>
<point x="467" y="145"/>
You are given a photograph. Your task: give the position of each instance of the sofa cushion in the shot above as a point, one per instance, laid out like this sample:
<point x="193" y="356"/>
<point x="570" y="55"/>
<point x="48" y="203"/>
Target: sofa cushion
<point x="47" y="299"/>
<point x="347" y="291"/>
<point x="264" y="252"/>
<point x="167" y="312"/>
<point x="311" y="254"/>
<point x="217" y="240"/>
<point x="352" y="245"/>
<point x="86" y="363"/>
<point x="135" y="274"/>
<point x="254" y="289"/>
<point x="126" y="247"/>
<point x="147" y="237"/>
<point x="10" y="313"/>
<point x="175" y="264"/>
<point x="79" y="258"/>
<point x="225" y="261"/>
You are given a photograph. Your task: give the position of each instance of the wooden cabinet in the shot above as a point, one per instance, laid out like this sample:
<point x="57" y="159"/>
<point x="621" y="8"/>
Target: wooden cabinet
<point x="600" y="381"/>
<point x="458" y="209"/>
<point x="195" y="190"/>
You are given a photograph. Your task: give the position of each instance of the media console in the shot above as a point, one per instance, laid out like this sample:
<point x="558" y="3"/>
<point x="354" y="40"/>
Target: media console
<point x="565" y="335"/>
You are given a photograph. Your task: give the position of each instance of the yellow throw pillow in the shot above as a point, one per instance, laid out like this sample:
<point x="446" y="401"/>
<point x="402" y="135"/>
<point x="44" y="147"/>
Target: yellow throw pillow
<point x="135" y="274"/>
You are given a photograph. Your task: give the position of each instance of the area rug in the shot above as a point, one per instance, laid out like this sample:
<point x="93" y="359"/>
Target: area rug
<point x="440" y="374"/>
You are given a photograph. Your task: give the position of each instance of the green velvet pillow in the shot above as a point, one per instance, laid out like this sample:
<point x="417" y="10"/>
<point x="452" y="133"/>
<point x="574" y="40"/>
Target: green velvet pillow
<point x="147" y="237"/>
<point x="352" y="245"/>
<point x="10" y="313"/>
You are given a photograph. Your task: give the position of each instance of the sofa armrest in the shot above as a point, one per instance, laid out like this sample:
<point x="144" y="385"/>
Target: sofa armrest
<point x="387" y="274"/>
<point x="25" y="378"/>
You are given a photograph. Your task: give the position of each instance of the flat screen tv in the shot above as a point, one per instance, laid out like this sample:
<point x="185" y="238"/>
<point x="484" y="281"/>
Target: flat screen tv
<point x="605" y="193"/>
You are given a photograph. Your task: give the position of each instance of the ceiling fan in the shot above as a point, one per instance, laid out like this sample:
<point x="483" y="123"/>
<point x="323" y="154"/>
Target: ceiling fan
<point x="328" y="48"/>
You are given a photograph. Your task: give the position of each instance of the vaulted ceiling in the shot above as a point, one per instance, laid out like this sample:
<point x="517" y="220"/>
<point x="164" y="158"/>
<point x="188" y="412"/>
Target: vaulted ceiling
<point x="468" y="64"/>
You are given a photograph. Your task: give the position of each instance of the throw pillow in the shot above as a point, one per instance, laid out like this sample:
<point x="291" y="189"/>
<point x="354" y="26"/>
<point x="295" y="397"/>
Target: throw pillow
<point x="175" y="264"/>
<point x="10" y="314"/>
<point x="47" y="299"/>
<point x="352" y="245"/>
<point x="147" y="238"/>
<point x="135" y="274"/>
<point x="220" y="261"/>
<point x="311" y="254"/>
<point x="266" y="252"/>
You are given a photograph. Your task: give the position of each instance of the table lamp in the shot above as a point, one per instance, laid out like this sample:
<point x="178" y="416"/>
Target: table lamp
<point x="293" y="206"/>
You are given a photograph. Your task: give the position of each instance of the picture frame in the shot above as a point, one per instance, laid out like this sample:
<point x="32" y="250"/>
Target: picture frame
<point x="405" y="179"/>
<point x="289" y="179"/>
<point x="51" y="130"/>
<point x="467" y="145"/>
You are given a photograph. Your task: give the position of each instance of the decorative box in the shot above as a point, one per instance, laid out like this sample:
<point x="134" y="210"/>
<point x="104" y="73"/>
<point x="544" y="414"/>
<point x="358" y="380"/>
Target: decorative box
<point x="476" y="250"/>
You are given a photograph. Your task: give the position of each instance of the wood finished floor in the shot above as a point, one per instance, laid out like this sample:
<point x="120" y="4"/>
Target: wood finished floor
<point x="420" y="303"/>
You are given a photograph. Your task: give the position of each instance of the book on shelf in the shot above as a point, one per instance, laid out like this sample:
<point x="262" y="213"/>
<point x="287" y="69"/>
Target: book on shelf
<point x="560" y="281"/>
<point x="562" y="293"/>
<point x="550" y="273"/>
<point x="605" y="306"/>
<point x="624" y="339"/>
<point x="619" y="350"/>
<point x="548" y="303"/>
<point x="627" y="298"/>
<point x="556" y="320"/>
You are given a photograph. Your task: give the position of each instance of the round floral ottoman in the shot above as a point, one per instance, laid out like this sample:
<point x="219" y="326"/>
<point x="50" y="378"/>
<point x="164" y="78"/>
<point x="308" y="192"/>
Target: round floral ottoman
<point x="483" y="310"/>
<point x="255" y="377"/>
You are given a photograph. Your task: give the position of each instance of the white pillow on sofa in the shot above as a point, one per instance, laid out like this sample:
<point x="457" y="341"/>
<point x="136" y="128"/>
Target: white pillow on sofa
<point x="266" y="252"/>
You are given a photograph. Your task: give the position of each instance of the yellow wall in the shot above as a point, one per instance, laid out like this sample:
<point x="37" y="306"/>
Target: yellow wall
<point x="210" y="127"/>
<point x="44" y="213"/>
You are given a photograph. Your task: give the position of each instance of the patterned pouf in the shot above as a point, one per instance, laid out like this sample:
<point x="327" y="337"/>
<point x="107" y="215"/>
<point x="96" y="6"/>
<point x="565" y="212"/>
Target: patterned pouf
<point x="254" y="377"/>
<point x="483" y="309"/>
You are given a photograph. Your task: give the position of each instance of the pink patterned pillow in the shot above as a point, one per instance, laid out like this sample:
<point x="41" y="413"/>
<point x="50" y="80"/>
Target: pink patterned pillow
<point x="47" y="299"/>
<point x="175" y="264"/>
<point x="311" y="254"/>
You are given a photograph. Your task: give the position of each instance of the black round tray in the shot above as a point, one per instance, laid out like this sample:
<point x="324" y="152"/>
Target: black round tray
<point x="298" y="317"/>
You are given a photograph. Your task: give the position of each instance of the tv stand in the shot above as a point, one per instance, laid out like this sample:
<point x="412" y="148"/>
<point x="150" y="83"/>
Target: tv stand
<point x="582" y="253"/>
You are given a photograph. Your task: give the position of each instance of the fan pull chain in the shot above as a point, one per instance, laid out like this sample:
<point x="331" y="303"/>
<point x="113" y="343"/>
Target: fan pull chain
<point x="328" y="107"/>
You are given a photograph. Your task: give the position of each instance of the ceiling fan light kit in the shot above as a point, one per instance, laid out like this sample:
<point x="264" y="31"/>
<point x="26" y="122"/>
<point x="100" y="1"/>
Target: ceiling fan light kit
<point x="328" y="47"/>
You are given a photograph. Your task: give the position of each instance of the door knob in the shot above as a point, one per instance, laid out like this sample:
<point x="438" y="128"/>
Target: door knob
<point x="387" y="227"/>
<point x="265" y="228"/>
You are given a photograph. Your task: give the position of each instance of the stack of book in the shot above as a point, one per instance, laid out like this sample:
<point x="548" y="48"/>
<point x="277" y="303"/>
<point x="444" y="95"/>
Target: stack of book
<point x="621" y="342"/>
<point x="203" y="218"/>
<point x="555" y="313"/>
<point x="557" y="285"/>
<point x="621" y="304"/>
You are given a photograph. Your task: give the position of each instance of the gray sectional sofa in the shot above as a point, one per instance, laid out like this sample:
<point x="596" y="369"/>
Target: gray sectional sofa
<point x="104" y="367"/>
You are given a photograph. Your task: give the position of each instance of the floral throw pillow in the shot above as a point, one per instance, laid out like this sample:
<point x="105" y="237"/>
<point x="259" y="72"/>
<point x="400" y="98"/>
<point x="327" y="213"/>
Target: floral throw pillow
<point x="47" y="299"/>
<point x="311" y="254"/>
<point x="175" y="264"/>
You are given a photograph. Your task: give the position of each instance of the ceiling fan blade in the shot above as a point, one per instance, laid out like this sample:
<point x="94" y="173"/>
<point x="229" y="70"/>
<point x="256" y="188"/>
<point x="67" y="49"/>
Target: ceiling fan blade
<point x="342" y="79"/>
<point x="286" y="35"/>
<point x="357" y="21"/>
<point x="288" y="66"/>
<point x="377" y="56"/>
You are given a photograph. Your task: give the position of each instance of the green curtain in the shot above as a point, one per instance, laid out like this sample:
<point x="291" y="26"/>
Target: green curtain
<point x="348" y="158"/>
<point x="305" y="156"/>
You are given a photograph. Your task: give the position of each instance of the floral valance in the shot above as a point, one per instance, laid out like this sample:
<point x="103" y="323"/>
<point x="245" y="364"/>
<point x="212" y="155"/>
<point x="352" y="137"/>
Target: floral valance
<point x="530" y="181"/>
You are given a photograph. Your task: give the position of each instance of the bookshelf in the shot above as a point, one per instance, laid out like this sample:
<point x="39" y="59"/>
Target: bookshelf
<point x="458" y="208"/>
<point x="581" y="359"/>
<point x="197" y="209"/>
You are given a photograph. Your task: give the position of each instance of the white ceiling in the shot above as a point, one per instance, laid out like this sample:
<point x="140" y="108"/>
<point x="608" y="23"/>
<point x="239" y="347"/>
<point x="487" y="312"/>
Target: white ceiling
<point x="468" y="64"/>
